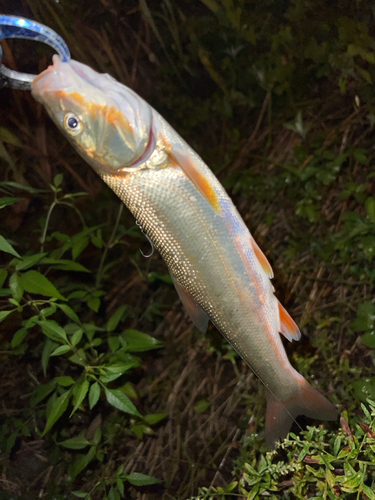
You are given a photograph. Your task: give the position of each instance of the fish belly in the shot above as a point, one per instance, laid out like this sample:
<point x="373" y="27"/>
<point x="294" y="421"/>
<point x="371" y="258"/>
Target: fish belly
<point x="210" y="256"/>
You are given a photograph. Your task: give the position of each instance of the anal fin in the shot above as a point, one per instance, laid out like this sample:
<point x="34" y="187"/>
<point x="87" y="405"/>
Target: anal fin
<point x="263" y="261"/>
<point x="288" y="326"/>
<point x="198" y="316"/>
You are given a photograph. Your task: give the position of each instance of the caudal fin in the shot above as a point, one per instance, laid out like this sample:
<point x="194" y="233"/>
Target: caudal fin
<point x="281" y="414"/>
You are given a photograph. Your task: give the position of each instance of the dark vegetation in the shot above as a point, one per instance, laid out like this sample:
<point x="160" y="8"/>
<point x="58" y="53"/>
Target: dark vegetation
<point x="278" y="98"/>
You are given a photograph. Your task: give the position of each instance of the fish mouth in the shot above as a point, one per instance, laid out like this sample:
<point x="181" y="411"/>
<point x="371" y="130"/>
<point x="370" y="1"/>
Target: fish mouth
<point x="38" y="85"/>
<point x="58" y="75"/>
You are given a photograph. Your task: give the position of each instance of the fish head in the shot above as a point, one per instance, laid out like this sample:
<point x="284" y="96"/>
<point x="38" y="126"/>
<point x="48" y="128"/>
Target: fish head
<point x="108" y="124"/>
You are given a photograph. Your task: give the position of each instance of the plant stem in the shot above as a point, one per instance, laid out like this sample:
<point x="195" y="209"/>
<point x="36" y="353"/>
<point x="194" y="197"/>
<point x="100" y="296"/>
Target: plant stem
<point x="108" y="246"/>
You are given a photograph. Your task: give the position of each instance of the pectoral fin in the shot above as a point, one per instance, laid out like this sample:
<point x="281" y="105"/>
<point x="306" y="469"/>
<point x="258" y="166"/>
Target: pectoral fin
<point x="196" y="313"/>
<point x="193" y="170"/>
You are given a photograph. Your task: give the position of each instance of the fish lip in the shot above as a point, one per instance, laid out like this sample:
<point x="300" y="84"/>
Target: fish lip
<point x="39" y="82"/>
<point x="41" y="75"/>
<point x="52" y="67"/>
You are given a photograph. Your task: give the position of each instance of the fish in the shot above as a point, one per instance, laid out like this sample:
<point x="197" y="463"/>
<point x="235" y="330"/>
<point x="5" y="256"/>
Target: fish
<point x="219" y="271"/>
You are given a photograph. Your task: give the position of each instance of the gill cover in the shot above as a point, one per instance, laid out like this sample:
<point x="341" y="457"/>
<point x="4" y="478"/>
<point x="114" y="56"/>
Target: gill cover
<point x="107" y="123"/>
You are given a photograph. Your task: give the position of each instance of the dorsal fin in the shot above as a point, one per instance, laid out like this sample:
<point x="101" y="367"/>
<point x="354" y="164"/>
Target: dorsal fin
<point x="263" y="261"/>
<point x="196" y="313"/>
<point x="288" y="326"/>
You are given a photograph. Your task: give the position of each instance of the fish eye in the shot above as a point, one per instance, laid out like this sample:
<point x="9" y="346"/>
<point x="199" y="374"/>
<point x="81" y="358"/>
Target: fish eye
<point x="72" y="123"/>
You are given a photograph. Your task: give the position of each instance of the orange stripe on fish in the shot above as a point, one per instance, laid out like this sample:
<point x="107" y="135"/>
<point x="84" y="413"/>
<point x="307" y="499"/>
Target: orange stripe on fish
<point x="288" y="326"/>
<point x="114" y="116"/>
<point x="263" y="261"/>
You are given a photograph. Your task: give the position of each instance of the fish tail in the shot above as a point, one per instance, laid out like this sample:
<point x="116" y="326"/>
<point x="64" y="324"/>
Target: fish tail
<point x="305" y="401"/>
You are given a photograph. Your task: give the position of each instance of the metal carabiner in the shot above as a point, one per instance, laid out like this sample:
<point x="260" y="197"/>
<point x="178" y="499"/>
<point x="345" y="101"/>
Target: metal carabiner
<point x="20" y="27"/>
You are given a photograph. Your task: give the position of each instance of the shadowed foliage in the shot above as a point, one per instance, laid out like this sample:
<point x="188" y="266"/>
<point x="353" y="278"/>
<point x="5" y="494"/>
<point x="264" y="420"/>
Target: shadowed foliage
<point x="107" y="390"/>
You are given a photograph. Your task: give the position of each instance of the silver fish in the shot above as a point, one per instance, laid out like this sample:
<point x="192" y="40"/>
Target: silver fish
<point x="219" y="271"/>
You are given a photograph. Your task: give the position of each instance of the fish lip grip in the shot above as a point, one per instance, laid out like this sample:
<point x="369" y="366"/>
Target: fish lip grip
<point x="20" y="27"/>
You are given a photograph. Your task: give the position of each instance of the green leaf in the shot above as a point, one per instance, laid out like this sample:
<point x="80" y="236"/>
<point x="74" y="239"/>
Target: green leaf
<point x="35" y="282"/>
<point x="3" y="276"/>
<point x="202" y="406"/>
<point x="364" y="388"/>
<point x="368" y="492"/>
<point x="94" y="394"/>
<point x="97" y="436"/>
<point x="94" y="303"/>
<point x="368" y="339"/>
<point x="82" y="391"/>
<point x="114" y="343"/>
<point x="80" y="494"/>
<point x="105" y="379"/>
<point x="115" y="318"/>
<point x="19" y="336"/>
<point x="69" y="312"/>
<point x="76" y="337"/>
<point x="360" y="156"/>
<point x="138" y="341"/>
<point x="49" y="347"/>
<point x="17" y="185"/>
<point x="120" y="486"/>
<point x="113" y="494"/>
<point x="97" y="239"/>
<point x="64" y="380"/>
<point x="81" y="462"/>
<point x="370" y="207"/>
<point x="77" y="443"/>
<point x="27" y="262"/>
<point x="118" y="399"/>
<point x="53" y="330"/>
<point x="365" y="317"/>
<point x="4" y="314"/>
<point x="7" y="136"/>
<point x="40" y="392"/>
<point x="121" y="367"/>
<point x="7" y="247"/>
<point x="368" y="245"/>
<point x="16" y="287"/>
<point x="62" y="349"/>
<point x="48" y="311"/>
<point x="78" y="357"/>
<point x="138" y="479"/>
<point x="154" y="418"/>
<point x="66" y="265"/>
<point x="58" y="409"/>
<point x="5" y="201"/>
<point x="337" y="445"/>
<point x="79" y="243"/>
<point x="58" y="180"/>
